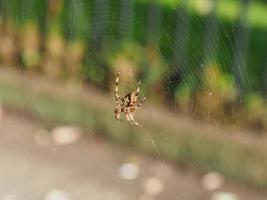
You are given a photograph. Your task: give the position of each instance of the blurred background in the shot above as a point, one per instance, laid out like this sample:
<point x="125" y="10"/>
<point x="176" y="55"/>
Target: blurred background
<point x="203" y="69"/>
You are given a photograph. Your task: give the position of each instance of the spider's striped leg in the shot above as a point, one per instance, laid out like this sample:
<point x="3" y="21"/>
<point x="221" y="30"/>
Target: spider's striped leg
<point x="127" y="115"/>
<point x="142" y="102"/>
<point x="138" y="88"/>
<point x="117" y="113"/>
<point x="132" y="120"/>
<point x="117" y="96"/>
<point x="137" y="92"/>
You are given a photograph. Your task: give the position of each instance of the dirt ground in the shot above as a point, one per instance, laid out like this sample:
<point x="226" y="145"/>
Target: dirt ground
<point x="89" y="169"/>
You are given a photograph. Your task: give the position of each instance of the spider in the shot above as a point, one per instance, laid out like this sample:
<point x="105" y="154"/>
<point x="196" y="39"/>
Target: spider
<point x="127" y="104"/>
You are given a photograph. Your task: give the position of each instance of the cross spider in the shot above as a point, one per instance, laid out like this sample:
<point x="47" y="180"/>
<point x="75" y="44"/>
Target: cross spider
<point x="127" y="104"/>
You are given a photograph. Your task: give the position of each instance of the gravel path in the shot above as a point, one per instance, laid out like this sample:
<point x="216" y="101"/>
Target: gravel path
<point x="89" y="170"/>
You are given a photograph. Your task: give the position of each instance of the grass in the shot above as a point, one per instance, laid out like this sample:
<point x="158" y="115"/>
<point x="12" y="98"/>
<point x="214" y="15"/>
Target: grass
<point x="228" y="10"/>
<point x="234" y="160"/>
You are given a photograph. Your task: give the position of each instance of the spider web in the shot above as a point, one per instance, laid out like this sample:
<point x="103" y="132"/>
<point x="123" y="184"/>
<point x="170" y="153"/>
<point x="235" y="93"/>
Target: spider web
<point x="204" y="45"/>
<point x="194" y="39"/>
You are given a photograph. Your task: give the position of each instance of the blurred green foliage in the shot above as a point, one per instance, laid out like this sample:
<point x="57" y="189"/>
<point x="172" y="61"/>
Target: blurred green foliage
<point x="162" y="43"/>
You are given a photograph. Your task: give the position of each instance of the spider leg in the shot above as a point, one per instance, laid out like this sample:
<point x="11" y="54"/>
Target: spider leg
<point x="128" y="117"/>
<point x="117" y="96"/>
<point x="133" y="121"/>
<point x="117" y="113"/>
<point x="138" y="88"/>
<point x="137" y="92"/>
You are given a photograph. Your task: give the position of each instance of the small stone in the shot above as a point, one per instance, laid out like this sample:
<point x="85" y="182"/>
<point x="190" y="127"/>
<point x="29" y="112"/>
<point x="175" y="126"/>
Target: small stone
<point x="153" y="186"/>
<point x="63" y="135"/>
<point x="57" y="195"/>
<point x="129" y="171"/>
<point x="212" y="181"/>
<point x="224" y="196"/>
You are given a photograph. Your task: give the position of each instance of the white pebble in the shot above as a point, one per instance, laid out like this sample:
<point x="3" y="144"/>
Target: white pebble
<point x="224" y="196"/>
<point x="212" y="181"/>
<point x="153" y="186"/>
<point x="66" y="135"/>
<point x="129" y="171"/>
<point x="57" y="195"/>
